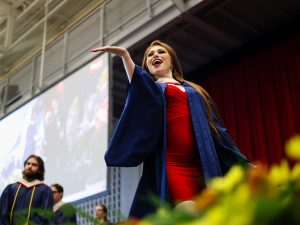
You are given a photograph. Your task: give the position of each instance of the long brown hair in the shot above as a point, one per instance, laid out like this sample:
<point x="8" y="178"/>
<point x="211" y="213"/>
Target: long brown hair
<point x="178" y="75"/>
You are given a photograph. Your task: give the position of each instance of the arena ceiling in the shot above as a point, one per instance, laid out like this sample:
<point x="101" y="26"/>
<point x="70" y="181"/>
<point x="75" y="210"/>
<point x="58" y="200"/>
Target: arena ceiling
<point x="201" y="35"/>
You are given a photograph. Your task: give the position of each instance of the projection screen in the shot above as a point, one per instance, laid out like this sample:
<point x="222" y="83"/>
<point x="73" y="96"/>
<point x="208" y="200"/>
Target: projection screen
<point x="67" y="126"/>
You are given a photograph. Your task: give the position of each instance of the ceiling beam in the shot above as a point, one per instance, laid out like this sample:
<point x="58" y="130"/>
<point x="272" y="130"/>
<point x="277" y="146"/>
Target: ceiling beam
<point x="4" y="7"/>
<point x="3" y="50"/>
<point x="25" y="13"/>
<point x="211" y="30"/>
<point x="239" y="21"/>
<point x="7" y="11"/>
<point x="10" y="24"/>
<point x="180" y="4"/>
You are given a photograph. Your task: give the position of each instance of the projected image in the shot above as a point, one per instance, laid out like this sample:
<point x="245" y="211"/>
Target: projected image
<point x="68" y="127"/>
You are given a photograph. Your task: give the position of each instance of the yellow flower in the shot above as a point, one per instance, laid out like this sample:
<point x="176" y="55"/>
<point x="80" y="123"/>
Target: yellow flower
<point x="228" y="213"/>
<point x="237" y="206"/>
<point x="144" y="222"/>
<point x="243" y="217"/>
<point x="163" y="213"/>
<point x="279" y="174"/>
<point x="241" y="196"/>
<point x="234" y="208"/>
<point x="201" y="221"/>
<point x="231" y="180"/>
<point x="215" y="216"/>
<point x="207" y="198"/>
<point x="295" y="174"/>
<point x="292" y="147"/>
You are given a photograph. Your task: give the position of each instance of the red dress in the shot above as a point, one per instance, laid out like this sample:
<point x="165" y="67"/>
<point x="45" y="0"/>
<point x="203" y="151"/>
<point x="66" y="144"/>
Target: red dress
<point x="184" y="174"/>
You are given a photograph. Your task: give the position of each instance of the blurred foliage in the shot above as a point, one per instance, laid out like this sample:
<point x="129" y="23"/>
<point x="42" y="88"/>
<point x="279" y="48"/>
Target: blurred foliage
<point x="261" y="195"/>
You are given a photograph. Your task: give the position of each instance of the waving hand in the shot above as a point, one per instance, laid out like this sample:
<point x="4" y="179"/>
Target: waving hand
<point x="123" y="53"/>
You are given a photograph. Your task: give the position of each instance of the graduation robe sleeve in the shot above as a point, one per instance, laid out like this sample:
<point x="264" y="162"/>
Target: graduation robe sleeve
<point x="218" y="153"/>
<point x="227" y="151"/>
<point x="139" y="130"/>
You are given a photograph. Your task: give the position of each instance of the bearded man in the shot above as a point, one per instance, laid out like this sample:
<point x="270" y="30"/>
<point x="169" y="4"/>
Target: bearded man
<point x="29" y="199"/>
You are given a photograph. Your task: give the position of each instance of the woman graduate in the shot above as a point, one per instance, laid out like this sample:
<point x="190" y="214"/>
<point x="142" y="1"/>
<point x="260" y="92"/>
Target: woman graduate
<point x="171" y="126"/>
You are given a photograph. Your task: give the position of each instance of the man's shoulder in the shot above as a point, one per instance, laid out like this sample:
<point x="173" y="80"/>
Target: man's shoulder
<point x="12" y="185"/>
<point x="44" y="187"/>
<point x="10" y="188"/>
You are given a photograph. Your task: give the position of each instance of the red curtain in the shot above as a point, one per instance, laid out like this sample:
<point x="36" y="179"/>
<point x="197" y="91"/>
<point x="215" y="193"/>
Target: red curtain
<point x="259" y="100"/>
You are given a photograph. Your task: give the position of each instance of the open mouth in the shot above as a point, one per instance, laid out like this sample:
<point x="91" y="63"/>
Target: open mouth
<point x="156" y="62"/>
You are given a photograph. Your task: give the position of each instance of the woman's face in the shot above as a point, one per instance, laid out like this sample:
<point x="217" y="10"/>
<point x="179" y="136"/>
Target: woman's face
<point x="159" y="62"/>
<point x="100" y="213"/>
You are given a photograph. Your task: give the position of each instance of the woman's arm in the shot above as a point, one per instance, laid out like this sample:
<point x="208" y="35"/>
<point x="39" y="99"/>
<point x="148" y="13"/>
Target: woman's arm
<point x="124" y="54"/>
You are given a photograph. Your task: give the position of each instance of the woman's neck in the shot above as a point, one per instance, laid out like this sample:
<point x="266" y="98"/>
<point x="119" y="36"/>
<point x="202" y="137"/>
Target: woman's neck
<point x="166" y="80"/>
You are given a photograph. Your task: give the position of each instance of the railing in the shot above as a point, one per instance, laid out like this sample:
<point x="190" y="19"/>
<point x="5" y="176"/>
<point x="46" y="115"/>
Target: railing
<point x="113" y="21"/>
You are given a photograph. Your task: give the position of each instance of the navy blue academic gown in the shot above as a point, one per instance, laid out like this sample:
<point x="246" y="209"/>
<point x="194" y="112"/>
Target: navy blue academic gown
<point x="140" y="137"/>
<point x="42" y="199"/>
<point x="66" y="214"/>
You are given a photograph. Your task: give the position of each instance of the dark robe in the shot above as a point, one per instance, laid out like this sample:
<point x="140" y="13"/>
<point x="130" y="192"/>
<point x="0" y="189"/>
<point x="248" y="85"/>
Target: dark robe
<point x="41" y="208"/>
<point x="64" y="214"/>
<point x="140" y="137"/>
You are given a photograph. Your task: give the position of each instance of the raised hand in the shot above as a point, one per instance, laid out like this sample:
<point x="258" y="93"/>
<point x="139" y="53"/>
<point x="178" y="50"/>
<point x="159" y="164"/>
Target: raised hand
<point x="120" y="51"/>
<point x="123" y="53"/>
